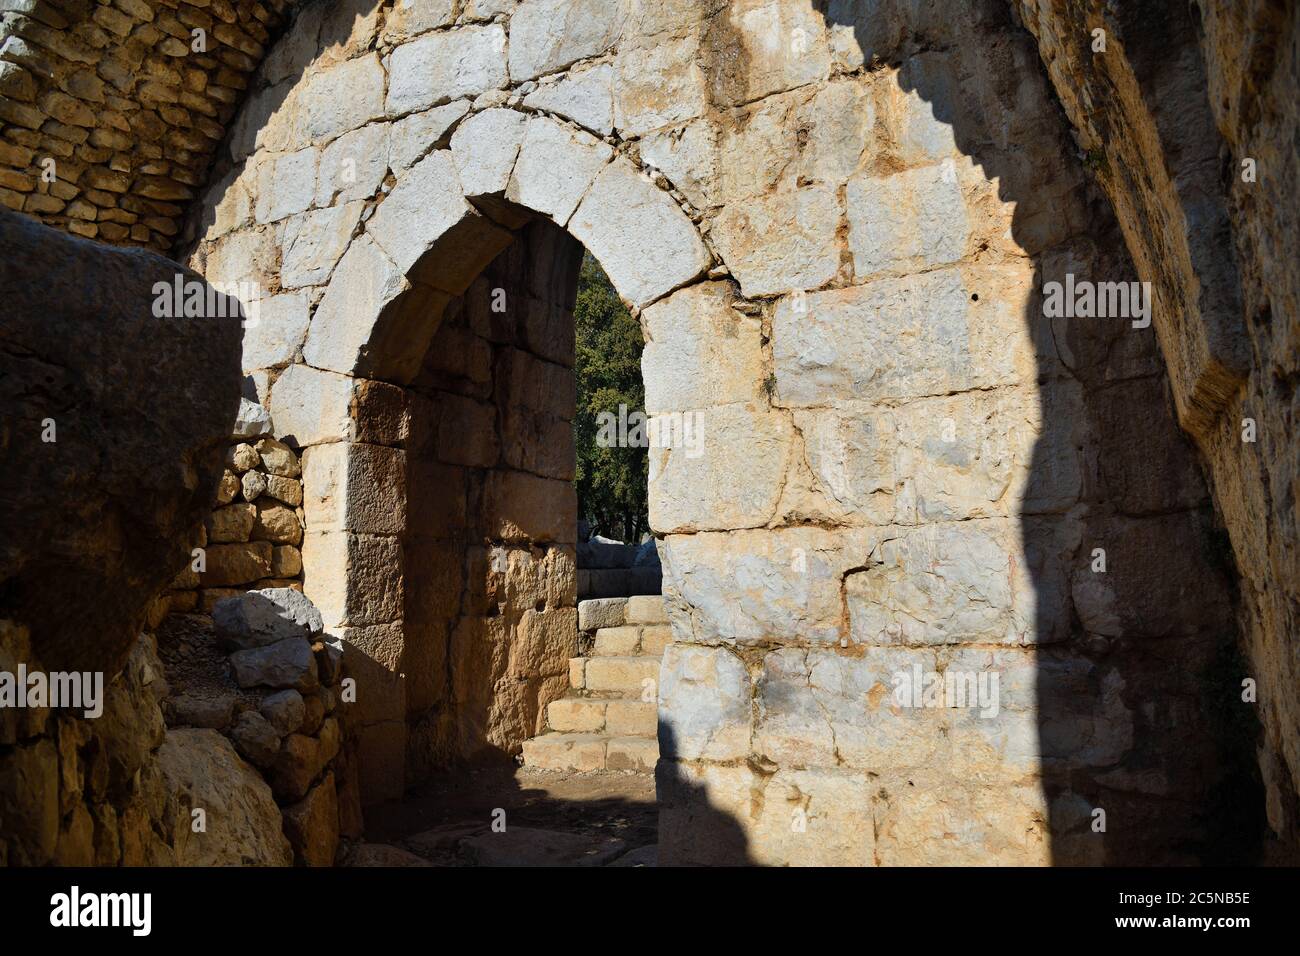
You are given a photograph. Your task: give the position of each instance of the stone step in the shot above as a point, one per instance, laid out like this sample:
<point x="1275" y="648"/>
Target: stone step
<point x="589" y="715"/>
<point x="617" y="611"/>
<point x="632" y="639"/>
<point x="622" y="674"/>
<point x="586" y="752"/>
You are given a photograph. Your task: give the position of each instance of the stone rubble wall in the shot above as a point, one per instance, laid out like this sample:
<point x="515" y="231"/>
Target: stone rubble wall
<point x="131" y="115"/>
<point x="1182" y="97"/>
<point x="252" y="538"/>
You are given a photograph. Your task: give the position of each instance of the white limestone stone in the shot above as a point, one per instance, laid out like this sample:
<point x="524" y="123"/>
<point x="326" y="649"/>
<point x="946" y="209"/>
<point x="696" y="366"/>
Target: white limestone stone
<point x="910" y="221"/>
<point x="782" y="241"/>
<point x="350" y="486"/>
<point x="700" y="352"/>
<point x="556" y="164"/>
<point x="704" y="704"/>
<point x="278" y="333"/>
<point x="582" y="95"/>
<point x="286" y="184"/>
<point x="548" y="35"/>
<point x="439" y="67"/>
<point x="412" y="137"/>
<point x="644" y="241"/>
<point x="485" y="147"/>
<point x="353" y="166"/>
<point x="314" y="241"/>
<point x="343" y="97"/>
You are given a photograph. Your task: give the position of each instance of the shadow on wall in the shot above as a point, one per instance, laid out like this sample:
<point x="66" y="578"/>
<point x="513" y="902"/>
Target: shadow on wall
<point x="1138" y="675"/>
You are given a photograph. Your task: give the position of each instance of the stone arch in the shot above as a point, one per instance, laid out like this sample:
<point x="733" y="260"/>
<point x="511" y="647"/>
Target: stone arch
<point x="440" y="223"/>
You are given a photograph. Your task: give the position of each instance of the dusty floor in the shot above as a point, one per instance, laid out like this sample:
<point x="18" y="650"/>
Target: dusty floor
<point x="550" y="819"/>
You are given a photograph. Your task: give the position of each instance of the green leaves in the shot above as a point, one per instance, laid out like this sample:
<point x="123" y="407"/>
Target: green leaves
<point x="611" y="481"/>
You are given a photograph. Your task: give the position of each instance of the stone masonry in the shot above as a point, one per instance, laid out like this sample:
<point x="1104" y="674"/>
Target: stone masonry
<point x="838" y="224"/>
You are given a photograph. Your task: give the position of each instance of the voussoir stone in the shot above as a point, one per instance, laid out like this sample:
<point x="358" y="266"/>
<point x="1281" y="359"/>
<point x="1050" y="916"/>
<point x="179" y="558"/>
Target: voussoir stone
<point x="644" y="241"/>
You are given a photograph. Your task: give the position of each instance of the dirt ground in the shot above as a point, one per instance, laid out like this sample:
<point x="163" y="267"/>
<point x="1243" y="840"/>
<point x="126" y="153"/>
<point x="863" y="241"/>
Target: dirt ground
<point x="516" y="817"/>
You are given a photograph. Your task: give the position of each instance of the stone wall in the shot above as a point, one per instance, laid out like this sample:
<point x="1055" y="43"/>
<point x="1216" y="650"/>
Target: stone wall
<point x="252" y="538"/>
<point x="1189" y="120"/>
<point x="836" y="224"/>
<point x="110" y="113"/>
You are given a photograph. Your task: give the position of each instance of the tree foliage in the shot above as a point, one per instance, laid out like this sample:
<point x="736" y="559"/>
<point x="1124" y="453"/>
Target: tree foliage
<point x="611" y="481"/>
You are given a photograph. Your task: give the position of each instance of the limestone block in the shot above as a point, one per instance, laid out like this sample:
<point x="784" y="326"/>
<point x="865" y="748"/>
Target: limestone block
<point x="432" y="234"/>
<point x="939" y="584"/>
<point x="699" y="352"/>
<point x="278" y="458"/>
<point x="242" y="457"/>
<point x="232" y="523"/>
<point x="484" y="148"/>
<point x="845" y="468"/>
<point x="410" y="138"/>
<point x="893" y="338"/>
<point x="284" y="710"/>
<point x="786" y="46"/>
<point x="201" y="769"/>
<point x="601" y="612"/>
<point x="276" y="336"/>
<point x="761" y="585"/>
<point x="929" y="92"/>
<point x="576" y="715"/>
<point x="343" y="97"/>
<point x="365" y="300"/>
<point x="315" y="241"/>
<point x="688" y="157"/>
<point x="660" y="82"/>
<point x="251" y="421"/>
<point x="350" y="486"/>
<point x="354" y="579"/>
<point x="543" y="642"/>
<point x="440" y="67"/>
<point x="286" y="184"/>
<point x="709" y="817"/>
<point x="644" y="241"/>
<point x="548" y="35"/>
<point x="312" y="825"/>
<point x="314" y="406"/>
<point x="286" y="663"/>
<point x="258" y="618"/>
<point x="631" y="753"/>
<point x="373" y="657"/>
<point x="229" y="564"/>
<point x="691" y="486"/>
<point x="467" y="434"/>
<point x="910" y="221"/>
<point x="704" y="704"/>
<point x="252" y="485"/>
<point x="353" y="166"/>
<point x="519" y="506"/>
<point x="288" y="490"/>
<point x="255" y="739"/>
<point x="556" y="165"/>
<point x="782" y="241"/>
<point x="584" y="95"/>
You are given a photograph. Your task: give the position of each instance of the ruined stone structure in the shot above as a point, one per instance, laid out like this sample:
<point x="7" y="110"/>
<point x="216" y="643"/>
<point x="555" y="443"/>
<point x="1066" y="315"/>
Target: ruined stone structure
<point x="838" y="223"/>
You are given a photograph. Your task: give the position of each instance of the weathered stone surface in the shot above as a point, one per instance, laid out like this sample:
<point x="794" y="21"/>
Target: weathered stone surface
<point x="584" y="96"/>
<point x="312" y="825"/>
<point x="699" y="352"/>
<point x="355" y="487"/>
<point x="229" y="564"/>
<point x="255" y="739"/>
<point x="202" y="770"/>
<point x="779" y="242"/>
<point x="485" y="147"/>
<point x="277" y="335"/>
<point x="266" y="616"/>
<point x="546" y="35"/>
<point x="704" y="703"/>
<point x="253" y="421"/>
<point x="286" y="663"/>
<point x="171" y="398"/>
<point x="285" y="710"/>
<point x="555" y="167"/>
<point x="444" y="66"/>
<point x="621" y="206"/>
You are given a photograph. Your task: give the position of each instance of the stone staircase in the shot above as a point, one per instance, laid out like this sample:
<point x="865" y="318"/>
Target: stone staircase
<point x="608" y="719"/>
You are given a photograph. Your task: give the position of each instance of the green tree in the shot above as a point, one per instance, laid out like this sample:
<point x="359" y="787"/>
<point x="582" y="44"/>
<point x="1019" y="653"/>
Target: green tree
<point x="611" y="481"/>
